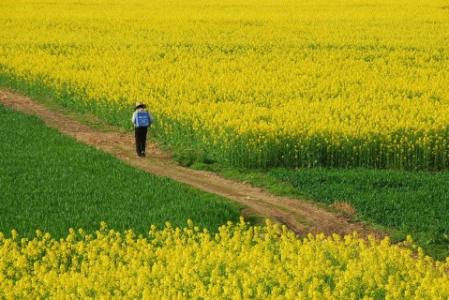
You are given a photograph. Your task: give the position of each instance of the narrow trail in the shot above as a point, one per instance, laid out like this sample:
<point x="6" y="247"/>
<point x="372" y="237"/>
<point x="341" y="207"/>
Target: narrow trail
<point x="300" y="216"/>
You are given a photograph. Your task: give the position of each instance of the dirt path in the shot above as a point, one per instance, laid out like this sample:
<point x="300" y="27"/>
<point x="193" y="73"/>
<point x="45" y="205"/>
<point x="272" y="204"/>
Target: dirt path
<point x="300" y="216"/>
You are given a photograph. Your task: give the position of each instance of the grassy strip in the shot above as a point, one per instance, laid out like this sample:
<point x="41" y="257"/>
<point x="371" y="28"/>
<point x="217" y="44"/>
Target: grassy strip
<point x="49" y="181"/>
<point x="402" y="202"/>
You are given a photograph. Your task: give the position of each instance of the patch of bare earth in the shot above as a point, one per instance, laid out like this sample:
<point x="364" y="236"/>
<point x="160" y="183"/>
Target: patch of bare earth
<point x="300" y="216"/>
<point x="345" y="208"/>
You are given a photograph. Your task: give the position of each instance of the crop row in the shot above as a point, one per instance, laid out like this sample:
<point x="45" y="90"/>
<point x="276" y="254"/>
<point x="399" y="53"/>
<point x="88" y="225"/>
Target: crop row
<point x="238" y="262"/>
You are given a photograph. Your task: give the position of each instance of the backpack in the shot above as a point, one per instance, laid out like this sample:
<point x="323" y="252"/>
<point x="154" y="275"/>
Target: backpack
<point x="143" y="119"/>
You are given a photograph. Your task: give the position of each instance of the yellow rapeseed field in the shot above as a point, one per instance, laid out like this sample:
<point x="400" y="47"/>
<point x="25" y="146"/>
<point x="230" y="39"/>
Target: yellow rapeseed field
<point x="257" y="83"/>
<point x="238" y="262"/>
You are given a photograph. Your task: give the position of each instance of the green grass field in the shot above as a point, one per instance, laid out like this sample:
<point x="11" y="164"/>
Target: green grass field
<point x="49" y="181"/>
<point x="402" y="202"/>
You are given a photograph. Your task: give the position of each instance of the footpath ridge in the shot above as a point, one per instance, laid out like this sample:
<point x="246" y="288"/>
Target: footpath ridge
<point x="300" y="216"/>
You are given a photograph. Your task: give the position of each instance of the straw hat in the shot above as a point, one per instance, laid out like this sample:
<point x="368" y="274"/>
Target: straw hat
<point x="140" y="104"/>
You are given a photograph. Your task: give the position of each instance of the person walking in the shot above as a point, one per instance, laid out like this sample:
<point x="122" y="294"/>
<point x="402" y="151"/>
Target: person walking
<point x="142" y="119"/>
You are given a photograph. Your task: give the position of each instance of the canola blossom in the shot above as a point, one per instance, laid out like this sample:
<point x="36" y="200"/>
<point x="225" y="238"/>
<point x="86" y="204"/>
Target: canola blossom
<point x="252" y="83"/>
<point x="237" y="262"/>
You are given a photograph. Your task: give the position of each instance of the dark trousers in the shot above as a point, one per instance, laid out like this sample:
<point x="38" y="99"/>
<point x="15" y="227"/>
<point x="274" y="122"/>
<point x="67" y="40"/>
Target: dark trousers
<point x="141" y="139"/>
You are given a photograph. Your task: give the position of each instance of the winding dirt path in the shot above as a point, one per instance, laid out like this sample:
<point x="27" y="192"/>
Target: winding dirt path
<point x="300" y="216"/>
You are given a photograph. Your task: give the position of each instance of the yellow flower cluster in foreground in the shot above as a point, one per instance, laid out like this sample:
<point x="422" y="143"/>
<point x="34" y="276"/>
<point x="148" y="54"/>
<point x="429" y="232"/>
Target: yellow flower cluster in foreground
<point x="256" y="82"/>
<point x="238" y="262"/>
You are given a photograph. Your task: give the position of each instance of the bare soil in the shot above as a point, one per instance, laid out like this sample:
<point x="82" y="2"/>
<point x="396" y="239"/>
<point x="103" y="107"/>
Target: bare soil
<point x="301" y="216"/>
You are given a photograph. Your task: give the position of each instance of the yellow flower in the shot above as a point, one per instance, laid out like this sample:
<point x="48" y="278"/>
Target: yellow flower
<point x="239" y="262"/>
